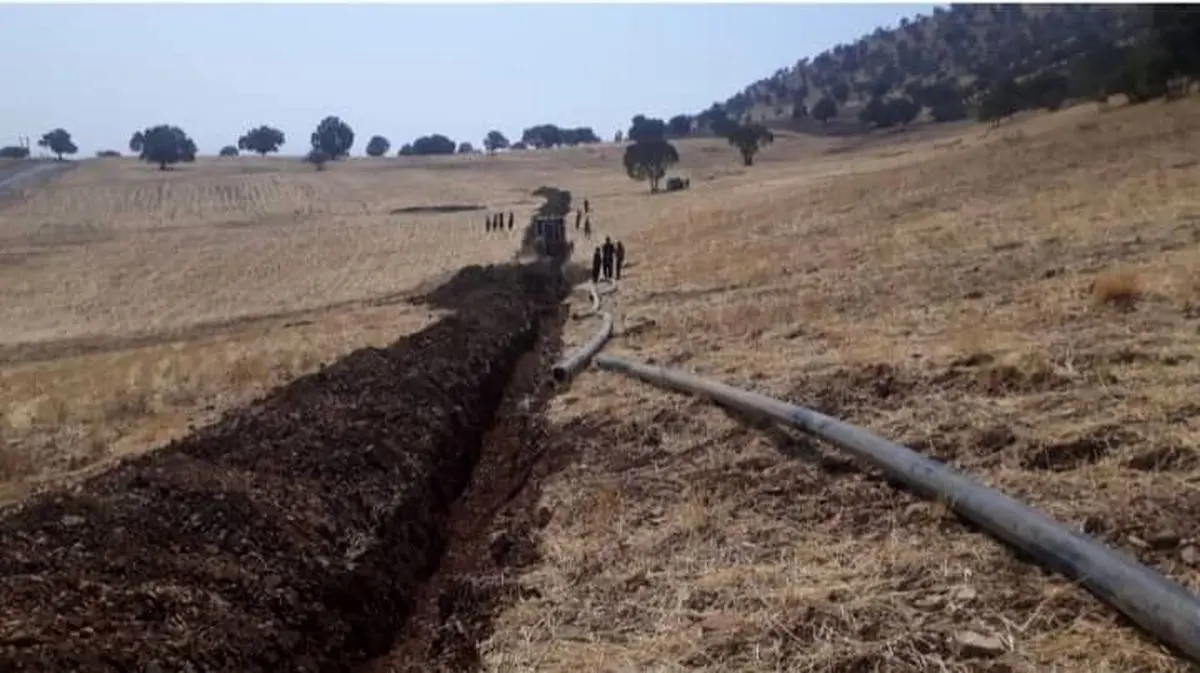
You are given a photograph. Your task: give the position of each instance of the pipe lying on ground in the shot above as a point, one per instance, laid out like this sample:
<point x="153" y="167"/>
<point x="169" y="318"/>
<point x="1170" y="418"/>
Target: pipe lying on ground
<point x="1163" y="608"/>
<point x="574" y="362"/>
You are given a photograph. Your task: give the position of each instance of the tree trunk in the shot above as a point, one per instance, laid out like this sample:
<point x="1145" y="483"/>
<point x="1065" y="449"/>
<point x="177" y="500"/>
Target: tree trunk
<point x="747" y="158"/>
<point x="162" y="165"/>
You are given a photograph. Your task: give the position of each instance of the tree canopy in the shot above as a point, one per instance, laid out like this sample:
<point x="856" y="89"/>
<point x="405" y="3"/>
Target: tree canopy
<point x="163" y="145"/>
<point x="228" y="151"/>
<point x="334" y="137"/>
<point x="649" y="160"/>
<point x="749" y="139"/>
<point x="262" y="140"/>
<point x="495" y="140"/>
<point x="59" y="142"/>
<point x="378" y="146"/>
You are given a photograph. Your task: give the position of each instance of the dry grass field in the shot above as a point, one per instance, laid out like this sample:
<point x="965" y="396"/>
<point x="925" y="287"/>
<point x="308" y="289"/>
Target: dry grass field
<point x="1023" y="302"/>
<point x="136" y="302"/>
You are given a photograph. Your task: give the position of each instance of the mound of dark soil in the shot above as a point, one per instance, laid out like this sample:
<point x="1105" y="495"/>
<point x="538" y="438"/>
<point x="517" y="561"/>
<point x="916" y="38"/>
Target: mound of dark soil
<point x="291" y="535"/>
<point x="438" y="209"/>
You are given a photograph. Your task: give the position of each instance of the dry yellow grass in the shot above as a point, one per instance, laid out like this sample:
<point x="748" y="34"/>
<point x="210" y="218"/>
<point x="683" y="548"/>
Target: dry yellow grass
<point x="1022" y="302"/>
<point x="136" y="302"/>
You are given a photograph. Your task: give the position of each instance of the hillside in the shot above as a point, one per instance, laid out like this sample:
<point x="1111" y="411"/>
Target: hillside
<point x="957" y="53"/>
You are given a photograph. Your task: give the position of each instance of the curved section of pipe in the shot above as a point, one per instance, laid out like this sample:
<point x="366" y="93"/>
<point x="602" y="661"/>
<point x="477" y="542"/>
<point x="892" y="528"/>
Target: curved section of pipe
<point x="574" y="362"/>
<point x="1163" y="608"/>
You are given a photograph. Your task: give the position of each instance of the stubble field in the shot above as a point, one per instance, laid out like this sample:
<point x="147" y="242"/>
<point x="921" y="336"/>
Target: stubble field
<point x="1023" y="302"/>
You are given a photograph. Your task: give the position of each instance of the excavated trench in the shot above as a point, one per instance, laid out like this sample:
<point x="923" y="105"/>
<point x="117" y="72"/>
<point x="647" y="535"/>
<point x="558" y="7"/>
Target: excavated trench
<point x="340" y="523"/>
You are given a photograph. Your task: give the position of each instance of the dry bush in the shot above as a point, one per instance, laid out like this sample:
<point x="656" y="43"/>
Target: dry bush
<point x="1117" y="288"/>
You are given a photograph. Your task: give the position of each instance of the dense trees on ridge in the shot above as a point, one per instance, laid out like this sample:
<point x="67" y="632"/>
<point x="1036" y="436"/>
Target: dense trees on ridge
<point x="986" y="61"/>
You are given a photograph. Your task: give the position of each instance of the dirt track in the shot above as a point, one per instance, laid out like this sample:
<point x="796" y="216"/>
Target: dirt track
<point x="296" y="534"/>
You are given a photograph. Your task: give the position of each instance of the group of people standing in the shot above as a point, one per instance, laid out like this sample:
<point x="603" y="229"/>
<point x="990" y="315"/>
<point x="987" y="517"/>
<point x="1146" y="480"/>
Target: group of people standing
<point x="607" y="260"/>
<point x="495" y="222"/>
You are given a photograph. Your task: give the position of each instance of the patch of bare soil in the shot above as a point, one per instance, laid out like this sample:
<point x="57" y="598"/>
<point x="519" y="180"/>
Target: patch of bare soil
<point x="295" y="534"/>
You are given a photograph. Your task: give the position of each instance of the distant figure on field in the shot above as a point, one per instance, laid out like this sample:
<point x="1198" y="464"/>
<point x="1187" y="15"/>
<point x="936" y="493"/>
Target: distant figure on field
<point x="620" y="258"/>
<point x="587" y="207"/>
<point x="578" y="217"/>
<point x="487" y="224"/>
<point x="510" y="220"/>
<point x="596" y="266"/>
<point x="587" y="228"/>
<point x="606" y="253"/>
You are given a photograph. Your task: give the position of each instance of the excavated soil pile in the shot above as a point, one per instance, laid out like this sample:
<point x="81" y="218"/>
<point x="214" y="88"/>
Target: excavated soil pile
<point x="290" y="536"/>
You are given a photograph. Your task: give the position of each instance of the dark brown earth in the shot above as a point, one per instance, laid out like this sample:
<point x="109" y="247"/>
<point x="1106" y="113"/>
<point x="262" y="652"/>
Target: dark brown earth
<point x="301" y="532"/>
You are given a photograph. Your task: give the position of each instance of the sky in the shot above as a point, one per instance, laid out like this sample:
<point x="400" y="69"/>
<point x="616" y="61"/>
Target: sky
<point x="400" y="71"/>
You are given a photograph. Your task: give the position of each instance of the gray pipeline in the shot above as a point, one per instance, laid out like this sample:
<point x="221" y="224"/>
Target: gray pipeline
<point x="1162" y="607"/>
<point x="574" y="362"/>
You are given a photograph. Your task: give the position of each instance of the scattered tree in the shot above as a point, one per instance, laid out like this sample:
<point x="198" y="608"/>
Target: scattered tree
<point x="262" y="140"/>
<point x="406" y="150"/>
<point x="432" y="145"/>
<point x="494" y="141"/>
<point x="228" y="151"/>
<point x="14" y="152"/>
<point x="108" y="154"/>
<point x="749" y="139"/>
<point x="619" y="136"/>
<point x="334" y="137"/>
<point x="466" y="148"/>
<point x="518" y="146"/>
<point x="649" y="161"/>
<point x="378" y="146"/>
<point x="163" y="145"/>
<point x="59" y="142"/>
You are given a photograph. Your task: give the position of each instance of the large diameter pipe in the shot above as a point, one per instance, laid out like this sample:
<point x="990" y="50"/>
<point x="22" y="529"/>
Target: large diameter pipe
<point x="570" y="365"/>
<point x="1163" y="608"/>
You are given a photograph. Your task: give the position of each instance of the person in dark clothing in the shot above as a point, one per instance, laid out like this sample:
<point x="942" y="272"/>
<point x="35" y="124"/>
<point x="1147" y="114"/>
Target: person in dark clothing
<point x="587" y="228"/>
<point x="510" y="220"/>
<point x="578" y="217"/>
<point x="606" y="254"/>
<point x="487" y="224"/>
<point x="596" y="266"/>
<point x="620" y="259"/>
<point x="587" y="207"/>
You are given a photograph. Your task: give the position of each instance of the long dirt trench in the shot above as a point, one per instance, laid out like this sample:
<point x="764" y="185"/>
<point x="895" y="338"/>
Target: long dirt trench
<point x="356" y="519"/>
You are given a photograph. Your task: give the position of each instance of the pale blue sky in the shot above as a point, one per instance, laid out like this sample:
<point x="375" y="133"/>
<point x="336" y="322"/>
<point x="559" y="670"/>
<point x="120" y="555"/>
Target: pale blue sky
<point x="401" y="71"/>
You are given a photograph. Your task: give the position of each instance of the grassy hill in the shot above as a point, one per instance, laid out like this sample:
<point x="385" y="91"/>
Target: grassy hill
<point x="957" y="54"/>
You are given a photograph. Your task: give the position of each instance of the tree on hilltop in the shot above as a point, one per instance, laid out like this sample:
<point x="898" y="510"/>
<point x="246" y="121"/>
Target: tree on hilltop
<point x="262" y="140"/>
<point x="749" y="139"/>
<point x="228" y="151"/>
<point x="14" y="152"/>
<point x="334" y="137"/>
<point x="495" y="140"/>
<point x="433" y="144"/>
<point x="466" y="148"/>
<point x="59" y="142"/>
<point x="378" y="146"/>
<point x="649" y="161"/>
<point x="163" y="145"/>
